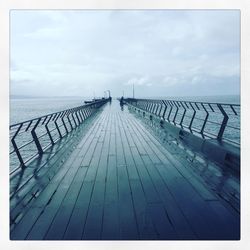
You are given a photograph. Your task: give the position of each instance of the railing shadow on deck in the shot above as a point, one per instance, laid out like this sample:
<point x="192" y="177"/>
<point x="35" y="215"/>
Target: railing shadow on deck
<point x="30" y="139"/>
<point x="204" y="135"/>
<point x="48" y="140"/>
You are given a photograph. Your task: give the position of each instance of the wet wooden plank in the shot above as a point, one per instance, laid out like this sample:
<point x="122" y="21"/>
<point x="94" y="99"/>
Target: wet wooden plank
<point x="111" y="223"/>
<point x="193" y="187"/>
<point x="178" y="168"/>
<point x="228" y="221"/>
<point x="164" y="228"/>
<point x="172" y="165"/>
<point x="76" y="223"/>
<point x="93" y="225"/>
<point x="53" y="195"/>
<point x="197" y="211"/>
<point x="75" y="229"/>
<point x="58" y="226"/>
<point x="144" y="222"/>
<point x="128" y="222"/>
<point x="146" y="181"/>
<point x="42" y="225"/>
<point x="65" y="150"/>
<point x="121" y="183"/>
<point x="146" y="227"/>
<point x="176" y="218"/>
<point x="39" y="169"/>
<point x="39" y="181"/>
<point x="22" y="229"/>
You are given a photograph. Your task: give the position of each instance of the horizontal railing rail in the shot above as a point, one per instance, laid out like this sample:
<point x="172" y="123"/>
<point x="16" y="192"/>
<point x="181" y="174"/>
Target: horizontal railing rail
<point x="219" y="121"/>
<point x="33" y="137"/>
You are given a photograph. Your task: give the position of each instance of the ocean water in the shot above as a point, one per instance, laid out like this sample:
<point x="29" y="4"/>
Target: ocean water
<point x="22" y="109"/>
<point x="226" y="99"/>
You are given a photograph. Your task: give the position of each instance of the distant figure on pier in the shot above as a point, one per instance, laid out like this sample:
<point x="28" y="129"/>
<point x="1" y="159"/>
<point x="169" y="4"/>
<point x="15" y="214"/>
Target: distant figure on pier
<point x="122" y="102"/>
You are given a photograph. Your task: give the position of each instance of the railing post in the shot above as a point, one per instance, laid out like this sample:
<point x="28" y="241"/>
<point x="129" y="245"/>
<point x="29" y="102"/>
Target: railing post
<point x="171" y="107"/>
<point x="192" y="119"/>
<point x="84" y="114"/>
<point x="80" y="115"/>
<point x="57" y="127"/>
<point x="16" y="147"/>
<point x="152" y="108"/>
<point x="72" y="114"/>
<point x="28" y="126"/>
<point x="205" y="121"/>
<point x="77" y="117"/>
<point x="64" y="124"/>
<point x="183" y="115"/>
<point x="159" y="114"/>
<point x="157" y="107"/>
<point x="37" y="143"/>
<point x="165" y="109"/>
<point x="224" y="122"/>
<point x="68" y="117"/>
<point x="177" y="109"/>
<point x="48" y="131"/>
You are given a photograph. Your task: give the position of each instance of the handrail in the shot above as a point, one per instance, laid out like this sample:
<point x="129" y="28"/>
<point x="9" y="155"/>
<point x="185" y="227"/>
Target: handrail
<point x="31" y="138"/>
<point x="220" y="121"/>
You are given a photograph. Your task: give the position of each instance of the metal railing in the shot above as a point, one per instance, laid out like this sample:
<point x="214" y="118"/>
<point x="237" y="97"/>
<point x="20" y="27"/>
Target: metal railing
<point x="32" y="138"/>
<point x="208" y="120"/>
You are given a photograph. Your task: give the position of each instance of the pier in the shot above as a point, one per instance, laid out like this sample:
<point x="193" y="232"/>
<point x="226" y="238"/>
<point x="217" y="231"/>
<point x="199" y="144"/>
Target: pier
<point x="146" y="170"/>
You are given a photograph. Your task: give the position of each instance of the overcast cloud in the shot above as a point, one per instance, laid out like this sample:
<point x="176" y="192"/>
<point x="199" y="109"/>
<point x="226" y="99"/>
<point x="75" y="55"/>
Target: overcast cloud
<point x="163" y="53"/>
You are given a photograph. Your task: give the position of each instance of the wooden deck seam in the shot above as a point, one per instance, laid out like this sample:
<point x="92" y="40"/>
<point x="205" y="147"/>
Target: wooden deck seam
<point x="64" y="166"/>
<point x="80" y="189"/>
<point x="147" y="148"/>
<point x="173" y="161"/>
<point x="77" y="168"/>
<point x="129" y="192"/>
<point x="135" y="153"/>
<point x="121" y="183"/>
<point x="111" y="188"/>
<point x="96" y="172"/>
<point x="134" y="163"/>
<point x="134" y="138"/>
<point x="207" y="204"/>
<point x="105" y="179"/>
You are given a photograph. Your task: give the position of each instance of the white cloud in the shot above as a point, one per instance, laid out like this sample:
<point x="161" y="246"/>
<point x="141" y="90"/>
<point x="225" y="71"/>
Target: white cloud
<point x="137" y="81"/>
<point x="197" y="79"/>
<point x="170" y="81"/>
<point x="45" y="33"/>
<point x="86" y="51"/>
<point x="177" y="51"/>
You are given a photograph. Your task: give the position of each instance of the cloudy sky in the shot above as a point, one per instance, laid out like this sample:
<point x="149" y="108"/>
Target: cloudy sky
<point x="163" y="53"/>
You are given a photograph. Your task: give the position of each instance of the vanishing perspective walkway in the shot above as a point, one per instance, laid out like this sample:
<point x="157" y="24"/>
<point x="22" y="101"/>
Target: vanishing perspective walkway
<point x="120" y="182"/>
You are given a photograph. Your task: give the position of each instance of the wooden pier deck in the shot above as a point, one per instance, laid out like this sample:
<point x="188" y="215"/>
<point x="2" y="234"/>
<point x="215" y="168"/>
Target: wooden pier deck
<point x="120" y="183"/>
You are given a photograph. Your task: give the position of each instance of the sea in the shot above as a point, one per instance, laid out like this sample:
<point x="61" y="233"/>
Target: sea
<point x="26" y="108"/>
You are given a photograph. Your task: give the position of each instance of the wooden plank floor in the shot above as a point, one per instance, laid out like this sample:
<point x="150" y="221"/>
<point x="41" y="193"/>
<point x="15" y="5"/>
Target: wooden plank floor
<point x="121" y="183"/>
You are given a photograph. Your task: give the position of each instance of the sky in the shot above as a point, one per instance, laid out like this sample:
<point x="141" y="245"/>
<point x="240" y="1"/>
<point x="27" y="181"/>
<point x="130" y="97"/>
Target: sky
<point x="161" y="52"/>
